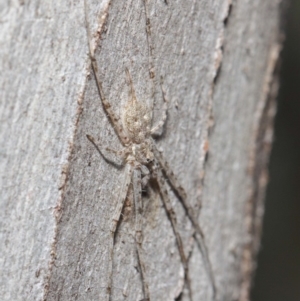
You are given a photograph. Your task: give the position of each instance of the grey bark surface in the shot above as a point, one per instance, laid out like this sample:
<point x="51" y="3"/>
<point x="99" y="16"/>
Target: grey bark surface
<point x="58" y="194"/>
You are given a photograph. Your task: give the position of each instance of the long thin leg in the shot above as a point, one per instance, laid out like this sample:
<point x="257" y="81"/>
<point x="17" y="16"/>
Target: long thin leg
<point x="171" y="214"/>
<point x="183" y="198"/>
<point x="169" y="173"/>
<point x="132" y="91"/>
<point x="115" y="222"/>
<point x="150" y="53"/>
<point x="105" y="152"/>
<point x="114" y="119"/>
<point x="158" y="128"/>
<point x="137" y="194"/>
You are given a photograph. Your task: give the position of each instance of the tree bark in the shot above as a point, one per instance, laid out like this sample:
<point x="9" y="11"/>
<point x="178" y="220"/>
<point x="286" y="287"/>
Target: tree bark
<point x="58" y="195"/>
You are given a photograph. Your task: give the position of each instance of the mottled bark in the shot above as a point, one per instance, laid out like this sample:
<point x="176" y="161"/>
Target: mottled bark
<point x="58" y="195"/>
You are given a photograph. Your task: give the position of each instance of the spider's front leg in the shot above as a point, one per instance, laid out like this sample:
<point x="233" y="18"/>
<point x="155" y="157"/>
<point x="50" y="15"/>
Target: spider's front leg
<point x="137" y="194"/>
<point x="150" y="51"/>
<point x="157" y="129"/>
<point x="114" y="119"/>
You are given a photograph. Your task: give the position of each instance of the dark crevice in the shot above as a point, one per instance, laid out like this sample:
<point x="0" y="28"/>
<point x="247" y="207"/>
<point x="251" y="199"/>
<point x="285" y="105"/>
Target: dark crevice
<point x="218" y="73"/>
<point x="228" y="15"/>
<point x="278" y="272"/>
<point x="179" y="298"/>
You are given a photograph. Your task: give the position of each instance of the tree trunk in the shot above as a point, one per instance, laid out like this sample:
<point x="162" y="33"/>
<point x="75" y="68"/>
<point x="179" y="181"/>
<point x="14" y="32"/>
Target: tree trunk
<point x="58" y="195"/>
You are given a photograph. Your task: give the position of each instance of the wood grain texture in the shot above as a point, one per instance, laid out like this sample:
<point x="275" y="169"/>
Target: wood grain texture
<point x="57" y="193"/>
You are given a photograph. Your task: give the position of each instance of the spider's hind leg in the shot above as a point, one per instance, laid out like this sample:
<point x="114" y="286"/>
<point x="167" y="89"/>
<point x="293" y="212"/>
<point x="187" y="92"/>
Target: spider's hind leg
<point x="115" y="223"/>
<point x="180" y="192"/>
<point x="137" y="194"/>
<point x="171" y="214"/>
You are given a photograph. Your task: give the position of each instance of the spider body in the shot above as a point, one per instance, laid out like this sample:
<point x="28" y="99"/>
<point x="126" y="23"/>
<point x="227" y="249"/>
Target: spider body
<point x="142" y="160"/>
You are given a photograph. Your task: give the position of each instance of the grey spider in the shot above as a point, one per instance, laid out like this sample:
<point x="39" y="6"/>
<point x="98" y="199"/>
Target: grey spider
<point x="143" y="161"/>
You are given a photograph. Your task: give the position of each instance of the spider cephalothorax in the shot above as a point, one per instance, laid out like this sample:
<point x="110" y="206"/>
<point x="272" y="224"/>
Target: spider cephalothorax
<point x="136" y="117"/>
<point x="137" y="128"/>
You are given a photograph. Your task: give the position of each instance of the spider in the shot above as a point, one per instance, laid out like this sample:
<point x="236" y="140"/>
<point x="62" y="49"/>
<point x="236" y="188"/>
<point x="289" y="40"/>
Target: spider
<point x="144" y="162"/>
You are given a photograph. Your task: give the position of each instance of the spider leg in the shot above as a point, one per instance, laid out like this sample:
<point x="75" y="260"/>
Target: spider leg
<point x="115" y="222"/>
<point x="179" y="190"/>
<point x="105" y="152"/>
<point x="114" y="119"/>
<point x="132" y="91"/>
<point x="137" y="194"/>
<point x="171" y="214"/>
<point x="183" y="198"/>
<point x="150" y="53"/>
<point x="158" y="128"/>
